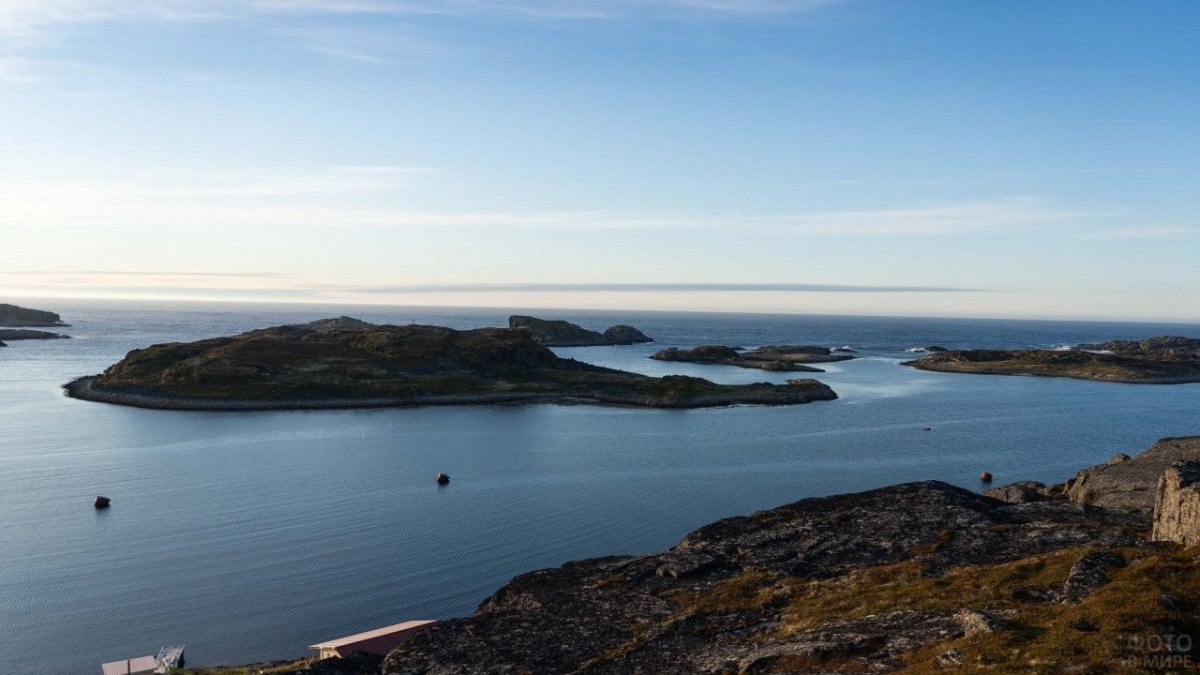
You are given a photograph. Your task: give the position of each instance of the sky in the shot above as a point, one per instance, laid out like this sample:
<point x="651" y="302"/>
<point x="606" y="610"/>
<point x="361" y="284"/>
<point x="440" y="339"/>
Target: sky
<point x="1006" y="158"/>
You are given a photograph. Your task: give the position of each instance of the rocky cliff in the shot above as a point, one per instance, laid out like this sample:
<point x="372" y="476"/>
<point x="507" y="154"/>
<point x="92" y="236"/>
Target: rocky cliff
<point x="346" y="363"/>
<point x="1177" y="504"/>
<point x="12" y="315"/>
<point x="1130" y="483"/>
<point x="555" y="333"/>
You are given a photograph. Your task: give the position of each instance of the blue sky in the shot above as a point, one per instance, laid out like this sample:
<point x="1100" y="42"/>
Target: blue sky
<point x="1032" y="159"/>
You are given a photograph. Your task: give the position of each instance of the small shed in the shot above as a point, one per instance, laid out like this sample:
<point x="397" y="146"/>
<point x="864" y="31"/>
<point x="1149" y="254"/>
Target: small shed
<point x="378" y="641"/>
<point x="135" y="666"/>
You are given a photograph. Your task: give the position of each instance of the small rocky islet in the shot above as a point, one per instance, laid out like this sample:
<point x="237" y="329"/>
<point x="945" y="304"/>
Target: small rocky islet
<point x="1159" y="360"/>
<point x="786" y="358"/>
<point x="15" y="323"/>
<point x="558" y="333"/>
<point x="344" y="362"/>
<point x="12" y="316"/>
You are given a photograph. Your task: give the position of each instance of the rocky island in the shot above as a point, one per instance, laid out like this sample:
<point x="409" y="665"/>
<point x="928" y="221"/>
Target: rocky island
<point x="14" y="316"/>
<point x="25" y="334"/>
<point x="339" y="363"/>
<point x="1133" y="363"/>
<point x="555" y="333"/>
<point x="919" y="577"/>
<point x="774" y="358"/>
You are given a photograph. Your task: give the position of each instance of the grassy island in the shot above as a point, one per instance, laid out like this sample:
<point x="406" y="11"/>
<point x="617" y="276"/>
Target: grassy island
<point x="1130" y="367"/>
<point x="346" y="363"/>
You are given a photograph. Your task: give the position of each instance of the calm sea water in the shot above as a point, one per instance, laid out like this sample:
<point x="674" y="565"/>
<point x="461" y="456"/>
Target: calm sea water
<point x="249" y="536"/>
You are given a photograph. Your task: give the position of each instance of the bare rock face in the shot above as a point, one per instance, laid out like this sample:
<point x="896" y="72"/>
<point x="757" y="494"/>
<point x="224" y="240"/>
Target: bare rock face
<point x="629" y="614"/>
<point x="1177" y="504"/>
<point x="1020" y="492"/>
<point x="1088" y="574"/>
<point x="1131" y="484"/>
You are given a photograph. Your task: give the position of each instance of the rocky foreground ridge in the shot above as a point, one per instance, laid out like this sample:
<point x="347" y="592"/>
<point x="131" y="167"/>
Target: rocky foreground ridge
<point x="914" y="578"/>
<point x="556" y="333"/>
<point x="773" y="358"/>
<point x="1162" y="360"/>
<point x="345" y="362"/>
<point x="14" y="316"/>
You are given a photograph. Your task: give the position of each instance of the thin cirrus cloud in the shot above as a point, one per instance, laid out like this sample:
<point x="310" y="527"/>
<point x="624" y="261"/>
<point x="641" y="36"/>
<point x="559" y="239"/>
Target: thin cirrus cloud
<point x="373" y="197"/>
<point x="24" y="16"/>
<point x="653" y="288"/>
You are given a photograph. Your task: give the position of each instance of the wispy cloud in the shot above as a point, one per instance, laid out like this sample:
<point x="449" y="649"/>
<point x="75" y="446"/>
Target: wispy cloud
<point x="369" y="46"/>
<point x="651" y="288"/>
<point x="155" y="274"/>
<point x="1145" y="232"/>
<point x="375" y="197"/>
<point x="24" y="16"/>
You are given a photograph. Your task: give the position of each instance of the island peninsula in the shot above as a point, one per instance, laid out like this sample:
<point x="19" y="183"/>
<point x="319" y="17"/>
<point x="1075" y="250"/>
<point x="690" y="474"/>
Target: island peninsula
<point x="1161" y="360"/>
<point x="346" y="363"/>
<point x="12" y="316"/>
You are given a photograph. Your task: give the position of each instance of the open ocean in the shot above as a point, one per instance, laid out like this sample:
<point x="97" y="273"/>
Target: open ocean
<point x="250" y="535"/>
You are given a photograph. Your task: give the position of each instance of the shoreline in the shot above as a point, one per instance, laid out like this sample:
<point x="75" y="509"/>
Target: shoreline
<point x="82" y="389"/>
<point x="931" y="368"/>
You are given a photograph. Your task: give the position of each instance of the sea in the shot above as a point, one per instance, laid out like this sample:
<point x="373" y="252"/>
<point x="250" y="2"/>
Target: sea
<point x="248" y="536"/>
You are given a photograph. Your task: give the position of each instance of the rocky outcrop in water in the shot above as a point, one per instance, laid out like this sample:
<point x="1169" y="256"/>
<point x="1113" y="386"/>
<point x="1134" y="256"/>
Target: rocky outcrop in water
<point x="1083" y="365"/>
<point x="1165" y="346"/>
<point x="12" y="315"/>
<point x="339" y="363"/>
<point x="565" y="334"/>
<point x="15" y="334"/>
<point x="1177" y="504"/>
<point x="785" y="358"/>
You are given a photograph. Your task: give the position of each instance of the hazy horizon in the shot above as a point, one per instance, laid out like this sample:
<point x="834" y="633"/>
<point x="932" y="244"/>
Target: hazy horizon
<point x="930" y="158"/>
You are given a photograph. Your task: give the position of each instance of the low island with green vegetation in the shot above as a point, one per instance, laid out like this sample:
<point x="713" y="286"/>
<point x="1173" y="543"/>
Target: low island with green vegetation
<point x="347" y="363"/>
<point x="1160" y="360"/>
